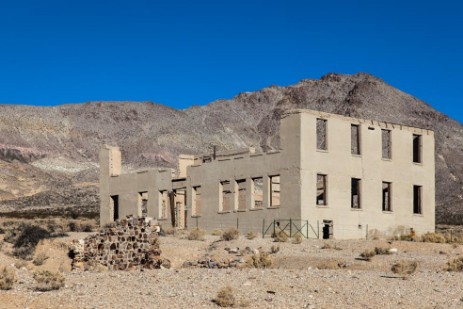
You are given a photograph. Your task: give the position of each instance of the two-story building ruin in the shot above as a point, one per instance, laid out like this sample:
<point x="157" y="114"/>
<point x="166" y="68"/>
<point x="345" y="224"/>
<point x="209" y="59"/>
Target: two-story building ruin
<point x="335" y="176"/>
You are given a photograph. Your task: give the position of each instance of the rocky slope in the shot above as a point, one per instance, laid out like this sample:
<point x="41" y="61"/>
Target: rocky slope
<point x="52" y="151"/>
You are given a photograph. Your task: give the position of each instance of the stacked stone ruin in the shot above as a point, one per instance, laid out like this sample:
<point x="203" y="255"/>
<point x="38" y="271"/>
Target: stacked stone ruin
<point x="128" y="244"/>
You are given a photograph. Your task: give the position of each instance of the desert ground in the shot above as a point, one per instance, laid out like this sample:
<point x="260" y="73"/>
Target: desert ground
<point x="311" y="274"/>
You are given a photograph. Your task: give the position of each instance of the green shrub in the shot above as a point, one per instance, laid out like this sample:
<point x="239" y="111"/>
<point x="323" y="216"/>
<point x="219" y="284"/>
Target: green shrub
<point x="7" y="278"/>
<point x="230" y="234"/>
<point x="48" y="281"/>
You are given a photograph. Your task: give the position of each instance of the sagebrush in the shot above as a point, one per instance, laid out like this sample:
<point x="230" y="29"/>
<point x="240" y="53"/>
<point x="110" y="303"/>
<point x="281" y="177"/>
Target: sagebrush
<point x="48" y="281"/>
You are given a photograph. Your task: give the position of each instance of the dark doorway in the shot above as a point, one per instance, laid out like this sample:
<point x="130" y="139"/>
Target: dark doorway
<point x="327" y="229"/>
<point x="115" y="206"/>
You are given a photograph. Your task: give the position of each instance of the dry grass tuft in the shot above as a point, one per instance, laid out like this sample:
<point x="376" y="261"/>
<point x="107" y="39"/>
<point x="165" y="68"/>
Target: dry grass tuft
<point x="230" y="234"/>
<point x="7" y="278"/>
<point x="48" y="281"/>
<point x="261" y="260"/>
<point x="328" y="264"/>
<point x="297" y="239"/>
<point x="274" y="249"/>
<point x="368" y="254"/>
<point x="434" y="238"/>
<point x="382" y="251"/>
<point x="455" y="264"/>
<point x="280" y="236"/>
<point x="40" y="259"/>
<point x="217" y="233"/>
<point x="225" y="297"/>
<point x="196" y="234"/>
<point x="168" y="231"/>
<point x="251" y="235"/>
<point x="404" y="268"/>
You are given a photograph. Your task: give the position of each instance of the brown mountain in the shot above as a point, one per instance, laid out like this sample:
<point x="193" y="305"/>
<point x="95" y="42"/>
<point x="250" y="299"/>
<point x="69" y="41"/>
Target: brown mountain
<point x="48" y="155"/>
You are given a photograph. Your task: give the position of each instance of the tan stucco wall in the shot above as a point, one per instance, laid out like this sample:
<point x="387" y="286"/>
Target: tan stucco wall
<point x="297" y="162"/>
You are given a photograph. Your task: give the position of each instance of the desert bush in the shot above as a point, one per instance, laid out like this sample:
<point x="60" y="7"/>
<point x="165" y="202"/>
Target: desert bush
<point x="217" y="233"/>
<point x="20" y="264"/>
<point x="297" y="239"/>
<point x="196" y="234"/>
<point x="251" y="235"/>
<point x="168" y="231"/>
<point x="368" y="254"/>
<point x="404" y="268"/>
<point x="7" y="278"/>
<point x="280" y="236"/>
<point x="327" y="246"/>
<point x="225" y="297"/>
<point x="48" y="281"/>
<point x="230" y="234"/>
<point x="382" y="251"/>
<point x="87" y="227"/>
<point x="328" y="264"/>
<point x="274" y="249"/>
<point x="433" y="237"/>
<point x="2" y="231"/>
<point x="455" y="265"/>
<point x="40" y="259"/>
<point x="260" y="260"/>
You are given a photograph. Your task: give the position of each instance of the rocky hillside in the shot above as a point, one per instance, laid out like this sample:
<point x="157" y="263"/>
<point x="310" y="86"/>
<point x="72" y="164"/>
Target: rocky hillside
<point x="48" y="155"/>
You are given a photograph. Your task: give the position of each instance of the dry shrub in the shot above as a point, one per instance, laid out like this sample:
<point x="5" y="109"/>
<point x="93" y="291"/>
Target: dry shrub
<point x="20" y="264"/>
<point x="274" y="249"/>
<point x="251" y="235"/>
<point x="382" y="251"/>
<point x="404" y="268"/>
<point x="217" y="233"/>
<point x="433" y="237"/>
<point x="368" y="254"/>
<point x="455" y="264"/>
<point x="225" y="297"/>
<point x="297" y="239"/>
<point x="196" y="234"/>
<point x="280" y="236"/>
<point x="328" y="264"/>
<point x="327" y="246"/>
<point x="261" y="260"/>
<point x="40" y="259"/>
<point x="230" y="234"/>
<point x="28" y="238"/>
<point x="48" y="281"/>
<point x="168" y="231"/>
<point x="7" y="278"/>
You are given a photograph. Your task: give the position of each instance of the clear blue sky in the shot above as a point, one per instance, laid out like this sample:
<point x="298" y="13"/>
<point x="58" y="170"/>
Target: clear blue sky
<point x="181" y="53"/>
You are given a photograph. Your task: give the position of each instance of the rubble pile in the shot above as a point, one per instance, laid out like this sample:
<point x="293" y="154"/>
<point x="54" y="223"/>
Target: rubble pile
<point x="128" y="244"/>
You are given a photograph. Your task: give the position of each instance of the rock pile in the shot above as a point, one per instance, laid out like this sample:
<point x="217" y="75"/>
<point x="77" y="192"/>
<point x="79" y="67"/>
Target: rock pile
<point x="214" y="263"/>
<point x="126" y="245"/>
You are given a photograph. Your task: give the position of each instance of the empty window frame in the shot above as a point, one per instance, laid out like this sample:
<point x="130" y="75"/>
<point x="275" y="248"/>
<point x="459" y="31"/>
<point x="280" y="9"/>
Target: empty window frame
<point x="226" y="202"/>
<point x="114" y="200"/>
<point x="258" y="192"/>
<point x="355" y="193"/>
<point x="417" y="148"/>
<point x="387" y="198"/>
<point x="321" y="190"/>
<point x="196" y="207"/>
<point x="417" y="200"/>
<point x="386" y="144"/>
<point x="241" y="184"/>
<point x="143" y="203"/>
<point x="355" y="139"/>
<point x="163" y="202"/>
<point x="322" y="142"/>
<point x="275" y="191"/>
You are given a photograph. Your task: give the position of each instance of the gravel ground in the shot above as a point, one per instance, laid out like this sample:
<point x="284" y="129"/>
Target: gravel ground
<point x="301" y="277"/>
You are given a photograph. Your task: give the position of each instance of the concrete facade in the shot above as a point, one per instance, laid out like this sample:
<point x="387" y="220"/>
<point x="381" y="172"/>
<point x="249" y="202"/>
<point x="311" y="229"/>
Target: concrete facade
<point x="346" y="177"/>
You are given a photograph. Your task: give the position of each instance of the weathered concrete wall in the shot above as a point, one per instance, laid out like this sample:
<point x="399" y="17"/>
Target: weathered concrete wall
<point x="217" y="192"/>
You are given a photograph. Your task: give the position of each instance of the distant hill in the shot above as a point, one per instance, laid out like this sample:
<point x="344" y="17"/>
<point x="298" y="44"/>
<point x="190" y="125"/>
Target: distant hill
<point x="49" y="155"/>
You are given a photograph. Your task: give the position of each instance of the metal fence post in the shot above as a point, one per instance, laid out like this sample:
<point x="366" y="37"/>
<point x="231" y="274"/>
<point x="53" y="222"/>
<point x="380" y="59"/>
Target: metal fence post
<point x="263" y="228"/>
<point x="290" y="227"/>
<point x="366" y="236"/>
<point x="318" y="229"/>
<point x="307" y="229"/>
<point x="237" y="224"/>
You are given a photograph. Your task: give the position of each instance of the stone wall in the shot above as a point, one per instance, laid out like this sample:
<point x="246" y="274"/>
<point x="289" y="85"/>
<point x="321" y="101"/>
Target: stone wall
<point x="128" y="244"/>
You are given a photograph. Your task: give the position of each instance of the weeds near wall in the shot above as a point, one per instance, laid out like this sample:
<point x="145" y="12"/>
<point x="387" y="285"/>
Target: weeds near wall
<point x="48" y="281"/>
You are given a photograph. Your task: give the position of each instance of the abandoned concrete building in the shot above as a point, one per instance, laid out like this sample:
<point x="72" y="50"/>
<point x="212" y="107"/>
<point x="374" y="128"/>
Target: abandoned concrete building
<point x="333" y="176"/>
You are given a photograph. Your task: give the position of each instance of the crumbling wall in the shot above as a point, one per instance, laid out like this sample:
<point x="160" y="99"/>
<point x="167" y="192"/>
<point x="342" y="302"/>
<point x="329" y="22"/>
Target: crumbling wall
<point x="128" y="244"/>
